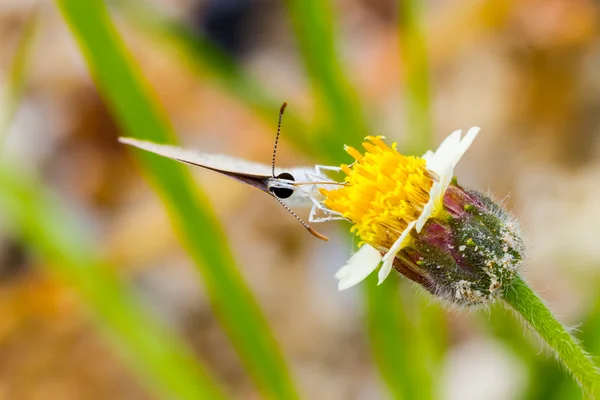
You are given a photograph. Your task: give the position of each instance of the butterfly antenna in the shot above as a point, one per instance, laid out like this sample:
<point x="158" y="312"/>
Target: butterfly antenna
<point x="308" y="227"/>
<point x="281" y="111"/>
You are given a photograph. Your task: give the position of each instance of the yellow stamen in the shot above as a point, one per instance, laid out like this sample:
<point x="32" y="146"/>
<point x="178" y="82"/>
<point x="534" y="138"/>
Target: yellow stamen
<point x="385" y="191"/>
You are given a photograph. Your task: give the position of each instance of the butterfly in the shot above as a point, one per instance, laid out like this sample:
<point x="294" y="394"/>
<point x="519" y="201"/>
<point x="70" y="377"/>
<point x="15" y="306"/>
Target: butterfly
<point x="293" y="187"/>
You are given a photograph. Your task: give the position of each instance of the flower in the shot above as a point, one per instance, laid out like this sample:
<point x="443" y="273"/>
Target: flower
<point x="410" y="215"/>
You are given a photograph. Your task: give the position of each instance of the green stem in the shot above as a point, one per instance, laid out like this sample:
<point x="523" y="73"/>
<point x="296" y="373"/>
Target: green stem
<point x="569" y="352"/>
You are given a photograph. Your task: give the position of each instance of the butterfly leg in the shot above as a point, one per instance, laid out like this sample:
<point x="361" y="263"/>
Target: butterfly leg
<point x="318" y="176"/>
<point x="331" y="215"/>
<point x="318" y="169"/>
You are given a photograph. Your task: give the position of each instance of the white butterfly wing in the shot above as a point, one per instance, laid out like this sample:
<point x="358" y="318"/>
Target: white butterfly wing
<point x="215" y="162"/>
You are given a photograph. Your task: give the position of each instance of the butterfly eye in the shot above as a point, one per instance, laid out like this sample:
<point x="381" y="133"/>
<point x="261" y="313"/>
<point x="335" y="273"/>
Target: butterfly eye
<point x="283" y="193"/>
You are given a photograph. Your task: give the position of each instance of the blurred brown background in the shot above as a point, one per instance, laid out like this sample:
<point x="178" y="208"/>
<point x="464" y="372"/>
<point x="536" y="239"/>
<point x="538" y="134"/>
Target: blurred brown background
<point x="527" y="72"/>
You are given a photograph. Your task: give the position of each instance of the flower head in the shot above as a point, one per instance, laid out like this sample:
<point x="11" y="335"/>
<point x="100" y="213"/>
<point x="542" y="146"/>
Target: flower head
<point x="411" y="216"/>
<point x="385" y="191"/>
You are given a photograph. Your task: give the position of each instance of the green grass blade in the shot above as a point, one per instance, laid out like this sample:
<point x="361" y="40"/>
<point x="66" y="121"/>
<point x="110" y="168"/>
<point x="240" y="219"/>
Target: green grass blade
<point x="127" y="95"/>
<point x="407" y="335"/>
<point x="413" y="49"/>
<point x="10" y="95"/>
<point x="154" y="353"/>
<point x="387" y="334"/>
<point x="337" y="102"/>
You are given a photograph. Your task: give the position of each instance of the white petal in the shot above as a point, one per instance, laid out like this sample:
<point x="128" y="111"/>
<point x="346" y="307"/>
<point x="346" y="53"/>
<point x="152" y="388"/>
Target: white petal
<point x="385" y="270"/>
<point x="465" y="143"/>
<point x="434" y="194"/>
<point x="451" y="141"/>
<point x="442" y="163"/>
<point x="388" y="258"/>
<point x="358" y="267"/>
<point x="445" y="153"/>
<point x="428" y="156"/>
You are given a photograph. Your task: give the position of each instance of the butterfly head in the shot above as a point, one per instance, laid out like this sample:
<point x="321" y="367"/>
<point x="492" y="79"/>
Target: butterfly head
<point x="282" y="185"/>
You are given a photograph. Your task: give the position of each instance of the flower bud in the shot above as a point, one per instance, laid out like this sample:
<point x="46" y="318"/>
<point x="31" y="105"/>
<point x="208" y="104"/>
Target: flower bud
<point x="469" y="254"/>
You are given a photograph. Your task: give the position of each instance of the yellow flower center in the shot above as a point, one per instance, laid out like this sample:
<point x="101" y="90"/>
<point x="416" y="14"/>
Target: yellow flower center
<point x="384" y="192"/>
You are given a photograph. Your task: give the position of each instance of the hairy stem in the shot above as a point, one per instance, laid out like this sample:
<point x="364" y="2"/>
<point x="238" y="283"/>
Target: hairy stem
<point x="568" y="351"/>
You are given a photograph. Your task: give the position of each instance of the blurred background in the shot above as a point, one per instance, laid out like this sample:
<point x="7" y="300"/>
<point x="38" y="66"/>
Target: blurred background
<point x="526" y="72"/>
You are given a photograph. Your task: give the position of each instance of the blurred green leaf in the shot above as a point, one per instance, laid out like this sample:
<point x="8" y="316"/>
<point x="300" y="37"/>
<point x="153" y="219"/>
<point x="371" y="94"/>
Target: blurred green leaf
<point x="154" y="353"/>
<point x="413" y="48"/>
<point x="407" y="337"/>
<point x="127" y="95"/>
<point x="10" y="95"/>
<point x="387" y="330"/>
<point x="339" y="110"/>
